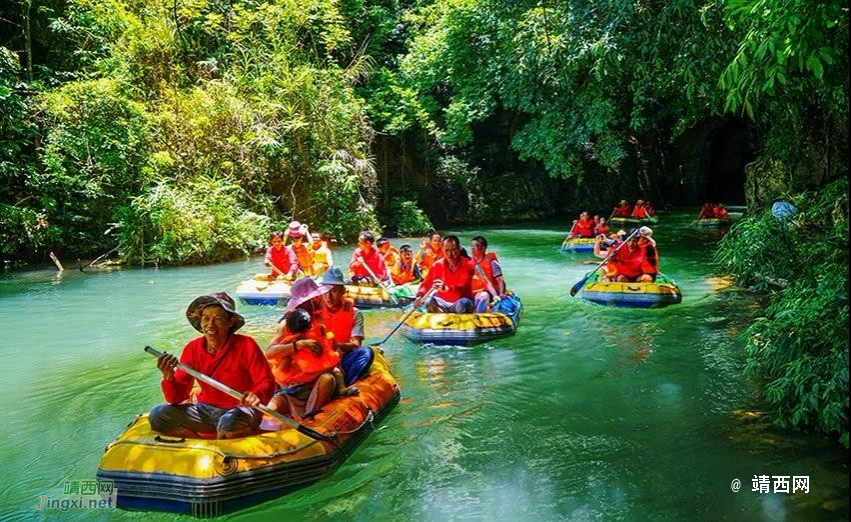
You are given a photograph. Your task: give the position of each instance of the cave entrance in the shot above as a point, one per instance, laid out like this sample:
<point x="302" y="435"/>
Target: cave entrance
<point x="731" y="150"/>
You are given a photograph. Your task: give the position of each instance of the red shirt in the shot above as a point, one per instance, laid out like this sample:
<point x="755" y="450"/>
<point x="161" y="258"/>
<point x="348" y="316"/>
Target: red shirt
<point x="623" y="211"/>
<point x="584" y="228"/>
<point x="243" y="368"/>
<point x="375" y="261"/>
<point x="640" y="212"/>
<point x="602" y="229"/>
<point x="284" y="260"/>
<point x="458" y="281"/>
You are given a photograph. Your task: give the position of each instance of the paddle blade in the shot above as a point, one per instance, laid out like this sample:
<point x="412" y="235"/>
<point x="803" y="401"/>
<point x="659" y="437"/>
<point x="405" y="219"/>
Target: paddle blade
<point x="579" y="285"/>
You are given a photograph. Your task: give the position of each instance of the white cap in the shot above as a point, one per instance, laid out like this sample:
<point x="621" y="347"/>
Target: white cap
<point x="645" y="231"/>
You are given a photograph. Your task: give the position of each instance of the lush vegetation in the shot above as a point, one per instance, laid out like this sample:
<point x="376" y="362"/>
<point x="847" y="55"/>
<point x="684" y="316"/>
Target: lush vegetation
<point x="181" y="131"/>
<point x="799" y="346"/>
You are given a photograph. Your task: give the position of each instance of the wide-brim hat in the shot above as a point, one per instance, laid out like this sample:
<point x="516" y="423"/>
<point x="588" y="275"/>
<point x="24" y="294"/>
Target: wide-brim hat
<point x="304" y="290"/>
<point x="645" y="231"/>
<point x="333" y="277"/>
<point x="623" y="202"/>
<point x="294" y="229"/>
<point x="197" y="306"/>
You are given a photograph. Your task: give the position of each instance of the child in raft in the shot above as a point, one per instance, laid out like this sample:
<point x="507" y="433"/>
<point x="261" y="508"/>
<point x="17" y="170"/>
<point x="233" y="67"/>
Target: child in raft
<point x="304" y="377"/>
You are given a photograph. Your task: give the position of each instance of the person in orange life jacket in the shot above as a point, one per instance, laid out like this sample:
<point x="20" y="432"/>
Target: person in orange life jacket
<point x="706" y="212"/>
<point x="281" y="257"/>
<point x="345" y="321"/>
<point x="719" y="211"/>
<point x="629" y="264"/>
<point x="390" y="253"/>
<point x="366" y="253"/>
<point x="650" y="263"/>
<point x="233" y="359"/>
<point x="406" y="269"/>
<point x="297" y="233"/>
<point x="295" y="397"/>
<point x="623" y="209"/>
<point x="321" y="252"/>
<point x="452" y="278"/>
<point x="602" y="227"/>
<point x="489" y="264"/>
<point x="430" y="251"/>
<point x="584" y="227"/>
<point x="638" y="210"/>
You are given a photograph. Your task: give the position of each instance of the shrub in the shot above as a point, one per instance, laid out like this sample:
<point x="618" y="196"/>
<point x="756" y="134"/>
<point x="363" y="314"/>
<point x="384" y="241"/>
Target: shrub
<point x="408" y="218"/>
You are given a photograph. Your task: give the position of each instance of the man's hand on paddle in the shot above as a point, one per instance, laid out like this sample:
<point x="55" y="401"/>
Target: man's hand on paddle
<point x="249" y="399"/>
<point x="166" y="364"/>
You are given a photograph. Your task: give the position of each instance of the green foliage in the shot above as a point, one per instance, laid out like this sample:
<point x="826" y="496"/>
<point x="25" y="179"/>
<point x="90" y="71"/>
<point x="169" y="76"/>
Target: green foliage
<point x="408" y="218"/>
<point x="800" y="346"/>
<point x="201" y="221"/>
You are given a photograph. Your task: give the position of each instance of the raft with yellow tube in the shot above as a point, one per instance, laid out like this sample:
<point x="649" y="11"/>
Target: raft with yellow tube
<point x="465" y="329"/>
<point x="715" y="222"/>
<point x="206" y="478"/>
<point x="660" y="293"/>
<point x="578" y="244"/>
<point x="366" y="296"/>
<point x="633" y="222"/>
<point x="260" y="291"/>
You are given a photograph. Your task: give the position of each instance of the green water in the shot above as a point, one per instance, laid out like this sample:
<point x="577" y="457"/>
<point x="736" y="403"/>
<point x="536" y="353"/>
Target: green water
<point x="588" y="413"/>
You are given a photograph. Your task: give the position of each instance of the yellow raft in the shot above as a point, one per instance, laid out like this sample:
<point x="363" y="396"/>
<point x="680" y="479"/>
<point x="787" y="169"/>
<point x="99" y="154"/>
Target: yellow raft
<point x="662" y="292"/>
<point x="578" y="244"/>
<point x="378" y="297"/>
<point x="464" y="329"/>
<point x="260" y="291"/>
<point x="210" y="477"/>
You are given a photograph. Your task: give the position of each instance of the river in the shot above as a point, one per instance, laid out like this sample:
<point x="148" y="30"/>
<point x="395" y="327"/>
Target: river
<point x="587" y="413"/>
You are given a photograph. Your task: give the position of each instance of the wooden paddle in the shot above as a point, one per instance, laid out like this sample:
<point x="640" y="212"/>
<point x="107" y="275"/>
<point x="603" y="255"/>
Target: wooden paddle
<point x="582" y="281"/>
<point x="414" y="306"/>
<point x="310" y="432"/>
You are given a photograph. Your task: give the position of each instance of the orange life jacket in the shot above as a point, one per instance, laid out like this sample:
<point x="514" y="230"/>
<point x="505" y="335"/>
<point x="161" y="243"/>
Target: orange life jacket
<point x="479" y="285"/>
<point x="341" y="322"/>
<point x="391" y="256"/>
<point x="430" y="257"/>
<point x="305" y="258"/>
<point x="628" y="263"/>
<point x="640" y="212"/>
<point x="650" y="258"/>
<point x="402" y="275"/>
<point x="304" y="366"/>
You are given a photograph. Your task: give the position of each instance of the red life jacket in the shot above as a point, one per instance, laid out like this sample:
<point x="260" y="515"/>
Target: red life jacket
<point x="584" y="228"/>
<point x="720" y="212"/>
<point x="650" y="259"/>
<point x="639" y="212"/>
<point x="480" y="285"/>
<point x="623" y="211"/>
<point x="628" y="263"/>
<point x="341" y="322"/>
<point x="603" y="229"/>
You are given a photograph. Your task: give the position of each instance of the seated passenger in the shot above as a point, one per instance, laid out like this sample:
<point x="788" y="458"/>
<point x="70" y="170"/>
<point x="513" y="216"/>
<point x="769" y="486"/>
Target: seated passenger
<point x="452" y="280"/>
<point x="406" y="269"/>
<point x="488" y="282"/>
<point x="719" y="211"/>
<point x="706" y="212"/>
<point x="649" y="210"/>
<point x="623" y="210"/>
<point x="638" y="211"/>
<point x="650" y="266"/>
<point x="390" y="253"/>
<point x="305" y="360"/>
<point x="628" y="264"/>
<point x="583" y="227"/>
<point x="232" y="359"/>
<point x="342" y="318"/>
<point x="298" y="233"/>
<point x="366" y="255"/>
<point x="430" y="251"/>
<point x="280" y="258"/>
<point x="322" y="259"/>
<point x="602" y="227"/>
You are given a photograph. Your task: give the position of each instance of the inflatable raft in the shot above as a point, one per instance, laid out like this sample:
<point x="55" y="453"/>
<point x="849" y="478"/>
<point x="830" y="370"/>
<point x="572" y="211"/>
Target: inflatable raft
<point x="632" y="222"/>
<point x="210" y="477"/>
<point x="663" y="292"/>
<point x="465" y="329"/>
<point x="261" y="291"/>
<point x="377" y="297"/>
<point x="578" y="244"/>
<point x="715" y="222"/>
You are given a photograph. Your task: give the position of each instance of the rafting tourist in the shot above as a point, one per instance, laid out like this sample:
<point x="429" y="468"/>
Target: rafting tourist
<point x="298" y="233"/>
<point x="488" y="279"/>
<point x="649" y="210"/>
<point x="406" y="269"/>
<point x="583" y="227"/>
<point x="706" y="212"/>
<point x="638" y="211"/>
<point x="321" y="251"/>
<point x="452" y="279"/>
<point x="623" y="210"/>
<point x="650" y="266"/>
<point x="629" y="263"/>
<point x="367" y="254"/>
<point x="309" y="382"/>
<point x="718" y="211"/>
<point x="345" y="321"/>
<point x="280" y="258"/>
<point x="430" y="251"/>
<point x="390" y="253"/>
<point x="602" y="227"/>
<point x="235" y="360"/>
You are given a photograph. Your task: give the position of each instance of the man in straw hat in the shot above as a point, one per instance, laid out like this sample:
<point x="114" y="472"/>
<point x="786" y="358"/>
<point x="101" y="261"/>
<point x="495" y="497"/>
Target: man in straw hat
<point x="233" y="359"/>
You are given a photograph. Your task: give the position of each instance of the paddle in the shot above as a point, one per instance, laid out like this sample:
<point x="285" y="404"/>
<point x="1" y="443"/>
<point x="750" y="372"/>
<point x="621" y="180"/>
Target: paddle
<point x="487" y="281"/>
<point x="387" y="287"/>
<point x="582" y="281"/>
<point x="405" y="318"/>
<point x="310" y="432"/>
